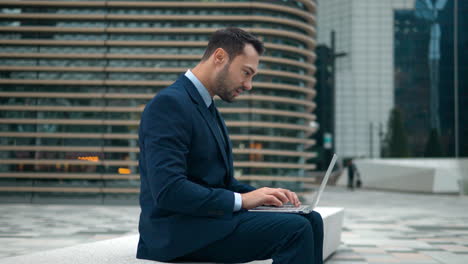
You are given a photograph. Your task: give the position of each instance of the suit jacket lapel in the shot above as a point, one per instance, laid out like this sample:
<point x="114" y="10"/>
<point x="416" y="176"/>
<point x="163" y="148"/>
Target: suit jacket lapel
<point x="214" y="130"/>
<point x="207" y="116"/>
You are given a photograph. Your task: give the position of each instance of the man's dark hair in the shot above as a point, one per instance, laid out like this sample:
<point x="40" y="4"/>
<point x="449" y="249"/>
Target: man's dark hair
<point x="233" y="41"/>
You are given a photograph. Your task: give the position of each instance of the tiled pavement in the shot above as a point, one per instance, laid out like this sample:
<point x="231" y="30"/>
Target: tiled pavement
<point x="30" y="228"/>
<point x="380" y="227"/>
<point x="388" y="227"/>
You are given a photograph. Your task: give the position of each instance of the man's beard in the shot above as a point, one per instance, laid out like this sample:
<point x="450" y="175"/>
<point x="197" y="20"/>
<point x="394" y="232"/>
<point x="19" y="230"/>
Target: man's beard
<point x="223" y="85"/>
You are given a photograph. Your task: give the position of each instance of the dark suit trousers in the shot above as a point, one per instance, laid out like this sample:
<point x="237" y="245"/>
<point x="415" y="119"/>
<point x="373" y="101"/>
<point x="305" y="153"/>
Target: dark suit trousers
<point x="285" y="238"/>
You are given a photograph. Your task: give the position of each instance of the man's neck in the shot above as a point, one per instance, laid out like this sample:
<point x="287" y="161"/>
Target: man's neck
<point x="203" y="75"/>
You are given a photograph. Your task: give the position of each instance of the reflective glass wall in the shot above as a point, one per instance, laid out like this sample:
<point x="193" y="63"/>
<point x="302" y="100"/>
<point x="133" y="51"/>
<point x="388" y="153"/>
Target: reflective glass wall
<point x="75" y="76"/>
<point x="424" y="76"/>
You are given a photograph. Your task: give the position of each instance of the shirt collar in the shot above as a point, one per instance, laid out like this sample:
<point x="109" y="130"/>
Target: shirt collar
<point x="200" y="87"/>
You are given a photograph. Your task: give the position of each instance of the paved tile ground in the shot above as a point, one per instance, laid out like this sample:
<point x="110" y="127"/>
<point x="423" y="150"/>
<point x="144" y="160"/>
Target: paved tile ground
<point x="380" y="227"/>
<point x="389" y="227"/>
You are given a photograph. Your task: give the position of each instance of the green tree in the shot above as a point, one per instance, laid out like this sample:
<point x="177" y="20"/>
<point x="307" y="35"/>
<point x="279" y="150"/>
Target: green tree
<point x="396" y="140"/>
<point x="433" y="146"/>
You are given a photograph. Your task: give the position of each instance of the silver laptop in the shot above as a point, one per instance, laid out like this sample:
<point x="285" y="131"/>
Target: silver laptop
<point x="302" y="209"/>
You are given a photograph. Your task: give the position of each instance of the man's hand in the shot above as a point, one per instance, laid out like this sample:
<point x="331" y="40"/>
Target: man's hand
<point x="269" y="196"/>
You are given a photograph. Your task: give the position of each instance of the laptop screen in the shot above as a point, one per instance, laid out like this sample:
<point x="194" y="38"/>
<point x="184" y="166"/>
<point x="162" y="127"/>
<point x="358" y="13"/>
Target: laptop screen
<point x="324" y="181"/>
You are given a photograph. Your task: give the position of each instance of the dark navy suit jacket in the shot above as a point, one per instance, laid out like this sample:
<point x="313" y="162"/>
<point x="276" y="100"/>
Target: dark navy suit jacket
<point x="187" y="181"/>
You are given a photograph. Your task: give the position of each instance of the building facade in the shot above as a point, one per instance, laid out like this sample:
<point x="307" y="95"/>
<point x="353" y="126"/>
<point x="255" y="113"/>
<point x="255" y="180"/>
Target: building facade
<point x="75" y="76"/>
<point x="364" y="77"/>
<point x="424" y="57"/>
<point x="399" y="54"/>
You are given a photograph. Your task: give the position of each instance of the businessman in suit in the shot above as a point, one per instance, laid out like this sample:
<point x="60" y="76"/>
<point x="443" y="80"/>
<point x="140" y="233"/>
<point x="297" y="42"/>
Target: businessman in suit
<point x="192" y="208"/>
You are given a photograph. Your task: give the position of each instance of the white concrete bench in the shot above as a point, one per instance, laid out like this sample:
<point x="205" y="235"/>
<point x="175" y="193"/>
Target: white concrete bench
<point x="122" y="250"/>
<point x="411" y="175"/>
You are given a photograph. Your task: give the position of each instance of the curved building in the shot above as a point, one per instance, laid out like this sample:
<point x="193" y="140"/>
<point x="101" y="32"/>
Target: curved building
<point x="75" y="76"/>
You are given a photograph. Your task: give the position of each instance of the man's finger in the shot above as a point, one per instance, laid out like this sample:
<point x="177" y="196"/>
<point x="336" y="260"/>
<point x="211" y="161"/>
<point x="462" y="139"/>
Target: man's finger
<point x="291" y="196"/>
<point x="272" y="200"/>
<point x="296" y="199"/>
<point x="280" y="195"/>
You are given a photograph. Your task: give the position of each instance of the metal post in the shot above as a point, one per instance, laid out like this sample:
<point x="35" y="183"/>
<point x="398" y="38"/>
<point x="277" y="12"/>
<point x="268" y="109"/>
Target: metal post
<point x="371" y="140"/>
<point x="380" y="144"/>
<point x="334" y="55"/>
<point x="455" y="74"/>
<point x="333" y="92"/>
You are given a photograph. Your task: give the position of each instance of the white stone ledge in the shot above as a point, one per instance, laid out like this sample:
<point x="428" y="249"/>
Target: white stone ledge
<point x="123" y="250"/>
<point x="425" y="175"/>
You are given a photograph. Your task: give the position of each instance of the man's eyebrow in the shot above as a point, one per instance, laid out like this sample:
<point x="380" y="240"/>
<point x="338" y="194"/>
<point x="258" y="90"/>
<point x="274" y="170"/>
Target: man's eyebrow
<point x="252" y="71"/>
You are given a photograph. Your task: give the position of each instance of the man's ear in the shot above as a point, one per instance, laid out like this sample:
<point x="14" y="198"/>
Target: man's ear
<point x="220" y="56"/>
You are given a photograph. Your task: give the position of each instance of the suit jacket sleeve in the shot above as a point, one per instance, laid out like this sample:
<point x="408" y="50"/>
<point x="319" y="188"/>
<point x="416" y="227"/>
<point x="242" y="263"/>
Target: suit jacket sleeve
<point x="166" y="131"/>
<point x="238" y="187"/>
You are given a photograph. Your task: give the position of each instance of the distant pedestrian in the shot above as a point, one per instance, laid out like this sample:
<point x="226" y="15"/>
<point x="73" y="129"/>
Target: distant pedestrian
<point x="352" y="170"/>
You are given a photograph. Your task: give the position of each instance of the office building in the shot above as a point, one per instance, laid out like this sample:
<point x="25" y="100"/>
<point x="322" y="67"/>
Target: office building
<point x="399" y="54"/>
<point x="75" y="76"/>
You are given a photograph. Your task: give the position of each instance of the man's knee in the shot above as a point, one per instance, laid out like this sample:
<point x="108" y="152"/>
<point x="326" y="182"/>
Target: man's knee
<point x="299" y="230"/>
<point x="298" y="222"/>
<point x="315" y="218"/>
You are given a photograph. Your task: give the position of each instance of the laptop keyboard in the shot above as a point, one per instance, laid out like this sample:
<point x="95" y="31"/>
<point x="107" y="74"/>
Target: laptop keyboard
<point x="284" y="208"/>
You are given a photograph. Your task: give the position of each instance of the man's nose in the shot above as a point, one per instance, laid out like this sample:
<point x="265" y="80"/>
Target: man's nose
<point x="248" y="85"/>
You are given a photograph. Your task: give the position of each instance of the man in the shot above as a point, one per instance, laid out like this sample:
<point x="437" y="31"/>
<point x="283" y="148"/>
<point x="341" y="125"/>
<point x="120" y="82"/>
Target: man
<point x="353" y="170"/>
<point x="192" y="208"/>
